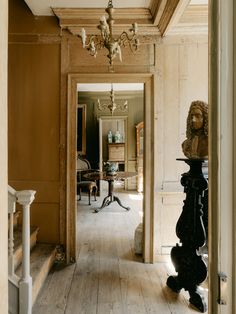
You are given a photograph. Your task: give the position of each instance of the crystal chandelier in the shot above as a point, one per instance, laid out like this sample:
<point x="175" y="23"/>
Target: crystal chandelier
<point x="112" y="106"/>
<point x="106" y="39"/>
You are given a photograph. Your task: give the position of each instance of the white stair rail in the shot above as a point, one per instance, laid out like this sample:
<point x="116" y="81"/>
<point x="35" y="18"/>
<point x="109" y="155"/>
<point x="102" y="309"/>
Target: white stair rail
<point x="11" y="210"/>
<point x="25" y="198"/>
<point x="20" y="288"/>
<point x="13" y="279"/>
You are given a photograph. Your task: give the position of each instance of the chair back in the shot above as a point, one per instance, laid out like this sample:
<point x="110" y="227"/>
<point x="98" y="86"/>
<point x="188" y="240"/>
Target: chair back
<point x="82" y="163"/>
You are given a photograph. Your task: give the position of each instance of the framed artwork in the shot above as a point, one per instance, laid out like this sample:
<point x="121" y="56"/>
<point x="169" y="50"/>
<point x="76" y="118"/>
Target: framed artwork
<point x="81" y="129"/>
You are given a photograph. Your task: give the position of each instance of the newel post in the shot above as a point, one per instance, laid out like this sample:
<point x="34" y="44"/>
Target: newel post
<point x="25" y="198"/>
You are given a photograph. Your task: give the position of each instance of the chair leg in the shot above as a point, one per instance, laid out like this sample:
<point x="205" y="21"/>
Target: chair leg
<point x="89" y="195"/>
<point x="95" y="192"/>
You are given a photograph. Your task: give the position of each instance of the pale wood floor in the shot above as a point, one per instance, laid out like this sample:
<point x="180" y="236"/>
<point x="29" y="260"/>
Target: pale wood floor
<point x="108" y="277"/>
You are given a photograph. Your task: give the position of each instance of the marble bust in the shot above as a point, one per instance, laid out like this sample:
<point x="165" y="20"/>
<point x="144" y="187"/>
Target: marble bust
<point x="196" y="144"/>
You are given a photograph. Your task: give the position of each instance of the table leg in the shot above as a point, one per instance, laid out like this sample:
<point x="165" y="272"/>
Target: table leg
<point x="119" y="202"/>
<point x="105" y="203"/>
<point x="110" y="198"/>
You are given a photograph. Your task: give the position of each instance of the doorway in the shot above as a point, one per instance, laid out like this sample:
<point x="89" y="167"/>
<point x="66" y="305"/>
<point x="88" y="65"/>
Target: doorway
<point x="148" y="201"/>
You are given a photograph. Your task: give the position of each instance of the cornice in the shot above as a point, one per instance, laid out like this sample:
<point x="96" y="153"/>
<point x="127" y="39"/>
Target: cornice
<point x="161" y="18"/>
<point x="196" y="13"/>
<point x="167" y="14"/>
<point x="75" y="16"/>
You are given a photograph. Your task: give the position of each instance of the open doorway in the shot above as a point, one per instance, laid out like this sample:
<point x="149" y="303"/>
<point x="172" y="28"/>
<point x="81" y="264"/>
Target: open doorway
<point x="112" y="137"/>
<point x="148" y="201"/>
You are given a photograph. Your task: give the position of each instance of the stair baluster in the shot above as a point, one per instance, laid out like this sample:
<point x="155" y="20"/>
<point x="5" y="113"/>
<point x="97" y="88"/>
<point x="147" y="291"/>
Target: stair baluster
<point x="25" y="198"/>
<point x="11" y="211"/>
<point x="20" y="287"/>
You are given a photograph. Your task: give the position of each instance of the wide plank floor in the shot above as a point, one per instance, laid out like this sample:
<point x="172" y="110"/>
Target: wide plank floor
<point x="108" y="277"/>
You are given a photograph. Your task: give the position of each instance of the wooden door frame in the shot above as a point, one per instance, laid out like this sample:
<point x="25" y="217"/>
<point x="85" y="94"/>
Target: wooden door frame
<point x="148" y="203"/>
<point x="222" y="153"/>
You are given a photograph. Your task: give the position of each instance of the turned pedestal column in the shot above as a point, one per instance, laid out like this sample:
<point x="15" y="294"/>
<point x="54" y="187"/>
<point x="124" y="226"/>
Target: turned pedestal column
<point x="190" y="229"/>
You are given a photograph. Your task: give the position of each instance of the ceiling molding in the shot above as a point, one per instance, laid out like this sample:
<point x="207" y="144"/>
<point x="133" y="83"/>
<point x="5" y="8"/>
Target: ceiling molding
<point x="75" y="19"/>
<point x="161" y="18"/>
<point x="196" y="13"/>
<point x="157" y="9"/>
<point x="143" y="30"/>
<point x="194" y="20"/>
<point x="167" y="15"/>
<point x="72" y="17"/>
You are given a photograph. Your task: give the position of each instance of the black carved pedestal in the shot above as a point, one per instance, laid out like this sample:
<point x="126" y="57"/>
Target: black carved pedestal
<point x="187" y="261"/>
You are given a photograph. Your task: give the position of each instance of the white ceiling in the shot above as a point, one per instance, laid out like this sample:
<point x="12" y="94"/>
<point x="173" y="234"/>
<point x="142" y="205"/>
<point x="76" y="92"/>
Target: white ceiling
<point x="198" y="2"/>
<point x="104" y="87"/>
<point x="43" y="7"/>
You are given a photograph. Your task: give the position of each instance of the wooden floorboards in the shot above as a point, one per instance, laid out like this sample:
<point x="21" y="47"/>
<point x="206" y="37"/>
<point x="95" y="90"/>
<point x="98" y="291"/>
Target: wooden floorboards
<point x="108" y="277"/>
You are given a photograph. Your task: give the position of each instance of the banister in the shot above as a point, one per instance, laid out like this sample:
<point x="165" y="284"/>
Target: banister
<point x="24" y="198"/>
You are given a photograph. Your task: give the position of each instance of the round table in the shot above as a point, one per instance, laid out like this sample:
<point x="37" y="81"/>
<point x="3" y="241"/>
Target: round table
<point x="119" y="176"/>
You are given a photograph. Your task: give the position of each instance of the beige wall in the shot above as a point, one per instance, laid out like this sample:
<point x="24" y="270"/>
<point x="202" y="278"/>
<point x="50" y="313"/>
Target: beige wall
<point x="3" y="159"/>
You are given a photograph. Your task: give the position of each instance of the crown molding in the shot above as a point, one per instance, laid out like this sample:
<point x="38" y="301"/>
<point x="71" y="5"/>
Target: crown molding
<point x="71" y="17"/>
<point x="161" y="18"/>
<point x="143" y="30"/>
<point x="157" y="9"/>
<point x="196" y="13"/>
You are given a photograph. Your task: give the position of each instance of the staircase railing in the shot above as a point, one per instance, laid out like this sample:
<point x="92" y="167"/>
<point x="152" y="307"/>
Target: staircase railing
<point x="20" y="287"/>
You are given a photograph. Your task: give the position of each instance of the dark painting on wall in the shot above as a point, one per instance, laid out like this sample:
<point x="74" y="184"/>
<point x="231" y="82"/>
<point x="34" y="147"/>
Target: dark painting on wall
<point x="81" y="129"/>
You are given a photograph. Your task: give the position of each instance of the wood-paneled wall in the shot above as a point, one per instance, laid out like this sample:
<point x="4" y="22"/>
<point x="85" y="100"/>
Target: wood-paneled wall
<point x="34" y="115"/>
<point x="3" y="160"/>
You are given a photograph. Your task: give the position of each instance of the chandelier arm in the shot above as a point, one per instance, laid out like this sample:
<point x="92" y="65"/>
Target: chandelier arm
<point x="125" y="40"/>
<point x="101" y="107"/>
<point x="99" y="44"/>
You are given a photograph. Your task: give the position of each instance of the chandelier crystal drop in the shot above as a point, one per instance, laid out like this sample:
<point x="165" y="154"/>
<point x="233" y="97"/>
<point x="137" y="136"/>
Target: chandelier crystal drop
<point x="93" y="43"/>
<point x="112" y="106"/>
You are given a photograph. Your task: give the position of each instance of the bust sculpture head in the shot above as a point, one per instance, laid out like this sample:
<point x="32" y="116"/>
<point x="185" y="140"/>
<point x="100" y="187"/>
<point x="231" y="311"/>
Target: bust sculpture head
<point x="196" y="144"/>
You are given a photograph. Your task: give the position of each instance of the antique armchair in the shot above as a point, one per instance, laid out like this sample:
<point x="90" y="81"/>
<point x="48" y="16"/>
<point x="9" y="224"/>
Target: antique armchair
<point x="83" y="167"/>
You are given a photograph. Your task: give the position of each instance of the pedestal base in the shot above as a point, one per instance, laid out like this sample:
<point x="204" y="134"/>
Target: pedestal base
<point x="197" y="299"/>
<point x="190" y="230"/>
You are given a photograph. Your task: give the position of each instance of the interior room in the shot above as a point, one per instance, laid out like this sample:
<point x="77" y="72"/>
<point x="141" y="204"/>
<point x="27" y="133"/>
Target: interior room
<point x="111" y="207"/>
<point x="113" y="134"/>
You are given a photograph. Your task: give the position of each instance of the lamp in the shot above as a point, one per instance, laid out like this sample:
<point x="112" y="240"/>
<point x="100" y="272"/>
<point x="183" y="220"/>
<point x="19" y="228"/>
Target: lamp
<point x="112" y="106"/>
<point x="106" y="39"/>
